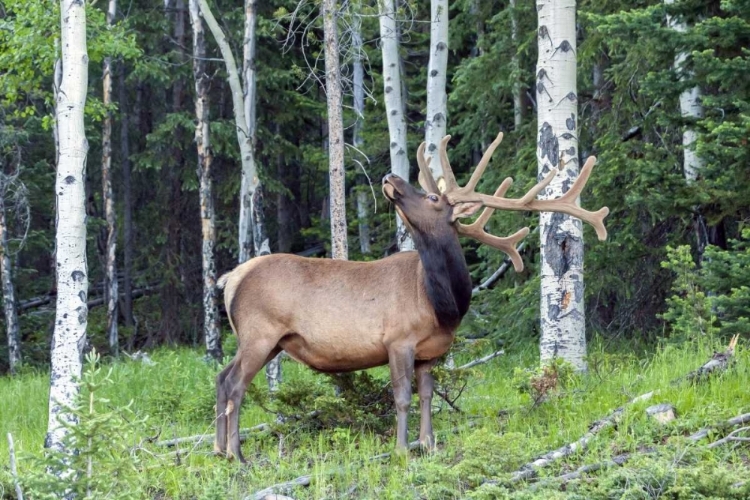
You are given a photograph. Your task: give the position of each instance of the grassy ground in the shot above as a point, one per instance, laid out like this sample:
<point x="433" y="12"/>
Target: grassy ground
<point x="498" y="430"/>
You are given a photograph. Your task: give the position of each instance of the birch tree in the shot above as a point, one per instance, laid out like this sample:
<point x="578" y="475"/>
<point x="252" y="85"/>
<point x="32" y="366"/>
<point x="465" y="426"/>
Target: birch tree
<point x="437" y="102"/>
<point x="72" y="272"/>
<point x="563" y="332"/>
<point x="517" y="97"/>
<point x="110" y="265"/>
<point x="250" y="182"/>
<point x="691" y="108"/>
<point x="358" y="77"/>
<point x="205" y="158"/>
<point x="339" y="245"/>
<point x="127" y="202"/>
<point x="256" y="225"/>
<point x="395" y="106"/>
<point x="12" y="329"/>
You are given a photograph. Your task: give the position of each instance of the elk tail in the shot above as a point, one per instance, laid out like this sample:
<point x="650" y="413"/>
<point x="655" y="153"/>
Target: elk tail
<point x="222" y="281"/>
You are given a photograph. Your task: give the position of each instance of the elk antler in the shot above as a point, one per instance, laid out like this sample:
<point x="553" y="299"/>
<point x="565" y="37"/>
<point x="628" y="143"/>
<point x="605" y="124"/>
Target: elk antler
<point x="528" y="202"/>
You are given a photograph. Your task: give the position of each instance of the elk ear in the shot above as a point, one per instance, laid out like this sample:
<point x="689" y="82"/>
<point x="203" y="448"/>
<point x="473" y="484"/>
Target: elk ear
<point x="465" y="209"/>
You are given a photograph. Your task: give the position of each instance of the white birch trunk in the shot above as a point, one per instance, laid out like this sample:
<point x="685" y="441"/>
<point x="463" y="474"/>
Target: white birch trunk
<point x="110" y="280"/>
<point x="517" y="98"/>
<point x="205" y="158"/>
<point x="437" y="101"/>
<point x="12" y="329"/>
<point x="336" y="177"/>
<point x="250" y="181"/>
<point x="72" y="273"/>
<point x="562" y="314"/>
<point x="690" y="107"/>
<point x="394" y="105"/>
<point x="127" y="208"/>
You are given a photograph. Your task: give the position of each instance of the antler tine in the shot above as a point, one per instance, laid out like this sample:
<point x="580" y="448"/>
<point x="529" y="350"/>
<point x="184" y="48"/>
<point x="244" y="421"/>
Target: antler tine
<point x="531" y="195"/>
<point x="450" y="179"/>
<point x="508" y="244"/>
<point x="477" y="174"/>
<point x="581" y="180"/>
<point x="425" y="175"/>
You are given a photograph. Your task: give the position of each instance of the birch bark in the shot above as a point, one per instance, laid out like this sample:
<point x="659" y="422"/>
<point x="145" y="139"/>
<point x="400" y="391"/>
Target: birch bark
<point x="563" y="332"/>
<point x="257" y="227"/>
<point x="12" y="329"/>
<point x="517" y="96"/>
<point x="205" y="158"/>
<point x="437" y="102"/>
<point x="336" y="177"/>
<point x="110" y="280"/>
<point x="250" y="181"/>
<point x="394" y="105"/>
<point x="72" y="273"/>
<point x="692" y="109"/>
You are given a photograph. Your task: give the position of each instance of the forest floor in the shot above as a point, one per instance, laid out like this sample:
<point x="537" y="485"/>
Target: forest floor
<point x="481" y="448"/>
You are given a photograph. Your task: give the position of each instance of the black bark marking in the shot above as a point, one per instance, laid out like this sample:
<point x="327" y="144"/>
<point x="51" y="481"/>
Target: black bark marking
<point x="571" y="151"/>
<point x="565" y="46"/>
<point x="388" y="89"/>
<point x="394" y="144"/>
<point x="434" y="72"/>
<point x="567" y="136"/>
<point x="70" y="179"/>
<point x="544" y="33"/>
<point x="557" y="249"/>
<point x="77" y="275"/>
<point x="570" y="96"/>
<point x="394" y="112"/>
<point x="548" y="144"/>
<point x="441" y="46"/>
<point x="570" y="123"/>
<point x="83" y="314"/>
<point x="82" y="296"/>
<point x="566" y="185"/>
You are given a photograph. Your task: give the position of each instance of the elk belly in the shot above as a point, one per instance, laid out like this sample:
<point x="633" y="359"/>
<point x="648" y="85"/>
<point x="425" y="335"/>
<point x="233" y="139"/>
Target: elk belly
<point x="434" y="346"/>
<point x="334" y="354"/>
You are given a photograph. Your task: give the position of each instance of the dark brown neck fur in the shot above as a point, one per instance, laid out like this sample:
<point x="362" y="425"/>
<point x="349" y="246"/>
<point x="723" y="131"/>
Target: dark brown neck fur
<point x="446" y="277"/>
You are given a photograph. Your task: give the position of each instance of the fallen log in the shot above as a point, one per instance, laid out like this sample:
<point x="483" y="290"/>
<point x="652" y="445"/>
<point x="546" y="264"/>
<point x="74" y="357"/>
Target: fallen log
<point x="479" y="361"/>
<point x="208" y="438"/>
<point x="35" y="302"/>
<point x="719" y="362"/>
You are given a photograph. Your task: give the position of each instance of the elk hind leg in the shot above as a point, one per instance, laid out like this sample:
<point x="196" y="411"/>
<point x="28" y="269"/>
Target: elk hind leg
<point x="220" y="443"/>
<point x="247" y="366"/>
<point x="401" y="364"/>
<point x="425" y="387"/>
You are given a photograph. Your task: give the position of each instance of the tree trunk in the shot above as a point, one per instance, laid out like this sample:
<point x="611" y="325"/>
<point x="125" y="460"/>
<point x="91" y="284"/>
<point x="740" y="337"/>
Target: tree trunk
<point x="339" y="244"/>
<point x="562" y="315"/>
<point x="250" y="181"/>
<point x="208" y="220"/>
<point x="517" y="90"/>
<point x="72" y="272"/>
<point x="394" y="105"/>
<point x="259" y="236"/>
<point x="437" y="106"/>
<point x="127" y="215"/>
<point x="12" y="328"/>
<point x="110" y="266"/>
<point x="359" y="109"/>
<point x="691" y="108"/>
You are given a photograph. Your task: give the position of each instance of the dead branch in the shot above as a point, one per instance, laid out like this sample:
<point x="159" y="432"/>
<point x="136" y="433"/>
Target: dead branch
<point x="13" y="470"/>
<point x="271" y="491"/>
<point x="479" y="361"/>
<point x="43" y="300"/>
<point x="732" y="422"/>
<point x="732" y="438"/>
<point x="207" y="438"/>
<point x="720" y="361"/>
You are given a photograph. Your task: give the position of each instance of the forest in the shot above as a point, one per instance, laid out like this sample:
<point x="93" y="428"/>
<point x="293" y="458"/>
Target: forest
<point x="148" y="149"/>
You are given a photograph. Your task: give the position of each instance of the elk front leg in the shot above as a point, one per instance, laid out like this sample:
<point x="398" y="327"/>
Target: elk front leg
<point x="425" y="386"/>
<point x="401" y="363"/>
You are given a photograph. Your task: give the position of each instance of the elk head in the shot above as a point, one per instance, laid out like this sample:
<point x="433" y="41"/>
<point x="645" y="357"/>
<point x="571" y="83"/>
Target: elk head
<point x="440" y="207"/>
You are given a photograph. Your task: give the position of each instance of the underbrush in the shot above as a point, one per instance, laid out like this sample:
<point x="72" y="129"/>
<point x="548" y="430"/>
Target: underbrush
<point x="499" y="423"/>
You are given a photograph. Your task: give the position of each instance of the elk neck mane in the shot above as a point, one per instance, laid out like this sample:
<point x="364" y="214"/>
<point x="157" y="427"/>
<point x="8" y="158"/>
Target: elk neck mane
<point x="446" y="277"/>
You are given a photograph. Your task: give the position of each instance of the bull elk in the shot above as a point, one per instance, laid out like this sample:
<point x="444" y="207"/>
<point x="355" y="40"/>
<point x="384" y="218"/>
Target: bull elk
<point x="403" y="310"/>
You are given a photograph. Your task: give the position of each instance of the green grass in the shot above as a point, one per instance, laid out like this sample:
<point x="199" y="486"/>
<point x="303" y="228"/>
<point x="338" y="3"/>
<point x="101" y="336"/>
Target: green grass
<point x="498" y="431"/>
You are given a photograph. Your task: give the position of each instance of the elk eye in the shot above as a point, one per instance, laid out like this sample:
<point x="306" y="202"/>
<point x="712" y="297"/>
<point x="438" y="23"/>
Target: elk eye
<point x="433" y="198"/>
